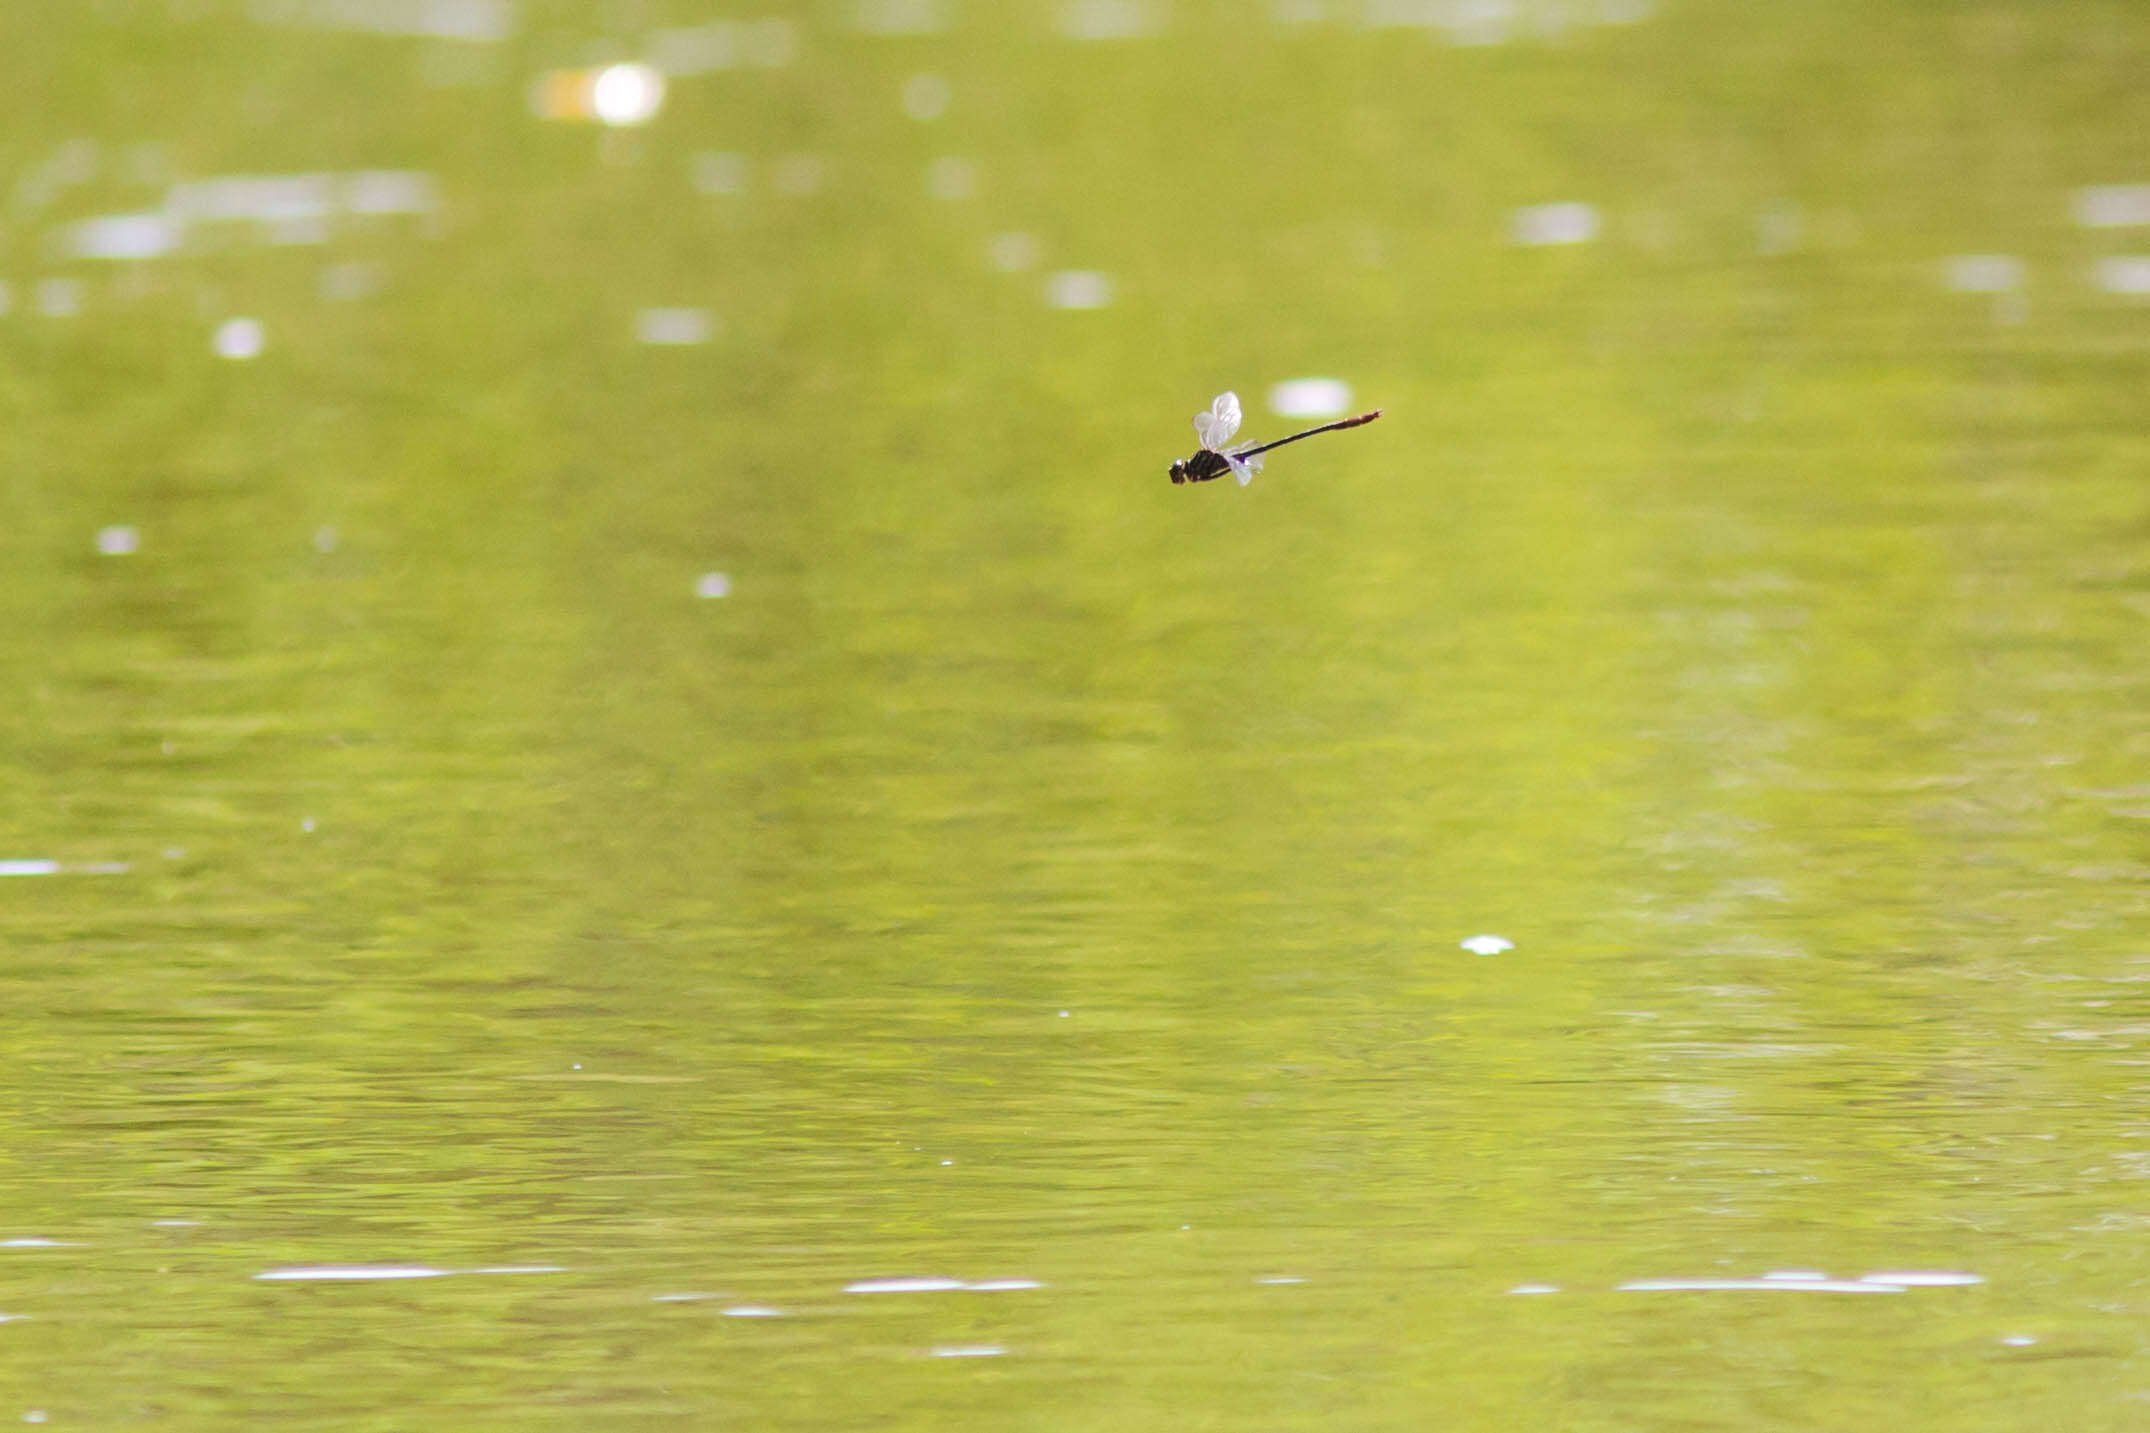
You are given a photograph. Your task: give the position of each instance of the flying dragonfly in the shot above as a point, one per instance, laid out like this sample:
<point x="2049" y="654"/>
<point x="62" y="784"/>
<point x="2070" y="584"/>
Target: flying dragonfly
<point x="1215" y="429"/>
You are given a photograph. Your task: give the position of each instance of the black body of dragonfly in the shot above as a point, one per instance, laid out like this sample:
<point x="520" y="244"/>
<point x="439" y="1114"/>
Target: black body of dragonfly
<point x="1215" y="429"/>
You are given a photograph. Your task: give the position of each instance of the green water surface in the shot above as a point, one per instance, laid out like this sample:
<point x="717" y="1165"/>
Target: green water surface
<point x="1028" y="871"/>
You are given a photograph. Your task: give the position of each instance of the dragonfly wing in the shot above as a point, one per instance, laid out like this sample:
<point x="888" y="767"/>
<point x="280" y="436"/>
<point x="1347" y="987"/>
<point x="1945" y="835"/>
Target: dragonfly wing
<point x="1244" y="469"/>
<point x="1216" y="427"/>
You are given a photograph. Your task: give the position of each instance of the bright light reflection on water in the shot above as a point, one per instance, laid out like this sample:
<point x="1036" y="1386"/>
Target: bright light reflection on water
<point x="1310" y="398"/>
<point x="480" y="21"/>
<point x="350" y="1273"/>
<point x="1109" y="19"/>
<point x="626" y="94"/>
<point x="952" y="177"/>
<point x="901" y="17"/>
<point x="1568" y="222"/>
<point x="238" y="339"/>
<point x="675" y="326"/>
<point x="926" y="96"/>
<point x="917" y="1285"/>
<point x="60" y="298"/>
<point x="1078" y="289"/>
<point x="2124" y="274"/>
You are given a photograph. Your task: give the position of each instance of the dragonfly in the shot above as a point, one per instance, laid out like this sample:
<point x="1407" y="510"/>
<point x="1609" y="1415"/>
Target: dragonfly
<point x="1215" y="429"/>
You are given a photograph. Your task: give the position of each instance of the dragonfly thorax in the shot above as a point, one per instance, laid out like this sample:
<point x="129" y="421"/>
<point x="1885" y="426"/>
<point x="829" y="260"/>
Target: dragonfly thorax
<point x="1200" y="468"/>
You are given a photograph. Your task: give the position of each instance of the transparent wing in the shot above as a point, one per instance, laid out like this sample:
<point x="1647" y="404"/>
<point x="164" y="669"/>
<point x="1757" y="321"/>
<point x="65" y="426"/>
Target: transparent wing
<point x="1216" y="427"/>
<point x="1244" y="469"/>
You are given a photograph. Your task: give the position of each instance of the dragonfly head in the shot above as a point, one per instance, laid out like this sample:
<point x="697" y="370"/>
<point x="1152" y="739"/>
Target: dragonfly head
<point x="1179" y="470"/>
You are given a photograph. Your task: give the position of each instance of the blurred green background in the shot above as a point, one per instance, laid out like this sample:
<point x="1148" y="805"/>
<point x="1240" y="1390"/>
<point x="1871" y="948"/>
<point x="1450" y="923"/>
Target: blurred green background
<point x="631" y="703"/>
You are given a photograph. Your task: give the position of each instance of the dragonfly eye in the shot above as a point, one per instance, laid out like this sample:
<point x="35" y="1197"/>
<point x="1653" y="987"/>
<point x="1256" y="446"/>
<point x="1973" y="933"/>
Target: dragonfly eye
<point x="1179" y="470"/>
